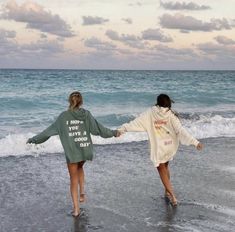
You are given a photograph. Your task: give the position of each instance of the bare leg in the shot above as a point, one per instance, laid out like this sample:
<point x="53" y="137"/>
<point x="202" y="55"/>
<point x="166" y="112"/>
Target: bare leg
<point x="73" y="167"/>
<point x="169" y="177"/>
<point x="81" y="179"/>
<point x="162" y="169"/>
<point x="168" y="171"/>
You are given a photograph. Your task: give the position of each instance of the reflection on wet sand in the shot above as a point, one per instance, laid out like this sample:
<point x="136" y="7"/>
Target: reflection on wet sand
<point x="125" y="194"/>
<point x="170" y="213"/>
<point x="81" y="223"/>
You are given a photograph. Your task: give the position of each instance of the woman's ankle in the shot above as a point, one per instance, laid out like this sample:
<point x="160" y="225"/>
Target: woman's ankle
<point x="76" y="210"/>
<point x="82" y="197"/>
<point x="167" y="193"/>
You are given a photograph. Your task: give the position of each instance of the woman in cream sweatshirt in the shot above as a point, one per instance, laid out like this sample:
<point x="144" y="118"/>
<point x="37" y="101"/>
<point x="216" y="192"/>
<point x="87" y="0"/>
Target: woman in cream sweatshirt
<point x="165" y="132"/>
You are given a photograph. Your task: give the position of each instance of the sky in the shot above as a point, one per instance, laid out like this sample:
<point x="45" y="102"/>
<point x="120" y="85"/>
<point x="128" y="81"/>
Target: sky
<point x="118" y="34"/>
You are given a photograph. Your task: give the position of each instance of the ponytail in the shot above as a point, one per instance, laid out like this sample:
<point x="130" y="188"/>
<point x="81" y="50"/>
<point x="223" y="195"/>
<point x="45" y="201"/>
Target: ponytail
<point x="75" y="100"/>
<point x="165" y="101"/>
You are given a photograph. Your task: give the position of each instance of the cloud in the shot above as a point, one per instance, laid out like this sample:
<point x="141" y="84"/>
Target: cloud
<point x="224" y="40"/>
<point x="188" y="23"/>
<point x="9" y="47"/>
<point x="39" y="54"/>
<point x="7" y="44"/>
<point x="15" y="53"/>
<point x="183" y="6"/>
<point x="113" y="35"/>
<point x="43" y="46"/>
<point x="43" y="36"/>
<point x="98" y="44"/>
<point x="130" y="40"/>
<point x="7" y="34"/>
<point x="36" y="17"/>
<point x="104" y="49"/>
<point x="169" y="51"/>
<point x="165" y="57"/>
<point x="217" y="50"/>
<point x="155" y="34"/>
<point x="184" y="31"/>
<point x="90" y="20"/>
<point x="127" y="20"/>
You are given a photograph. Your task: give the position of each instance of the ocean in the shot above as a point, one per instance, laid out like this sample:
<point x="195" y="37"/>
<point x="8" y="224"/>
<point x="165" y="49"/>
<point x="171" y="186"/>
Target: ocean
<point x="124" y="191"/>
<point x="30" y="100"/>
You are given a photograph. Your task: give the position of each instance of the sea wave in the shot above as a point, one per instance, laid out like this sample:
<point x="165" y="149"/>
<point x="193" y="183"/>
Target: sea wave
<point x="200" y="126"/>
<point x="15" y="144"/>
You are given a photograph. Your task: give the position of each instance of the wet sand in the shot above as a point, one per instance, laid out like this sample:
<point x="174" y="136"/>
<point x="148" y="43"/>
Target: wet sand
<point x="124" y="192"/>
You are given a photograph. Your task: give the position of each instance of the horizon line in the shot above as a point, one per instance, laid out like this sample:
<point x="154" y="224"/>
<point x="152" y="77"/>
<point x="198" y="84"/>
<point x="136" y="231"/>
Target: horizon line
<point x="68" y="69"/>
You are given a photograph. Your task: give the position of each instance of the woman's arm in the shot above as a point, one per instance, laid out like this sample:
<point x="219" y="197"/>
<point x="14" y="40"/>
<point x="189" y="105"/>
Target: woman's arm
<point x="137" y="125"/>
<point x="185" y="137"/>
<point x="98" y="129"/>
<point x="44" y="135"/>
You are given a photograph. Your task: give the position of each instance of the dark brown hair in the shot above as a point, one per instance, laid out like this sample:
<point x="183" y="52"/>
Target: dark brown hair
<point x="164" y="100"/>
<point x="75" y="100"/>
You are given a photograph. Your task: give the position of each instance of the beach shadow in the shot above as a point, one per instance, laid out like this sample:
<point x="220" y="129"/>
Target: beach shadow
<point x="81" y="224"/>
<point x="168" y="222"/>
<point x="170" y="211"/>
<point x="163" y="217"/>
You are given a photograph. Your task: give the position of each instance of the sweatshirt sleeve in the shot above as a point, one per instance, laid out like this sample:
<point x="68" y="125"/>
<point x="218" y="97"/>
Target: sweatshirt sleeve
<point x="136" y="125"/>
<point x="45" y="135"/>
<point x="98" y="129"/>
<point x="184" y="136"/>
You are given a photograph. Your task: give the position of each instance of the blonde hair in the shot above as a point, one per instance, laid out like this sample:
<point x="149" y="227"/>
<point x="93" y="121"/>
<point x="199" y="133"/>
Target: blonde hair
<point x="75" y="100"/>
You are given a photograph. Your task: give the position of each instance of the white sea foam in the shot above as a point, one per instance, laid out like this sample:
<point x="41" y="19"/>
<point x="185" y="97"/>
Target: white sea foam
<point x="204" y="127"/>
<point x="211" y="127"/>
<point x="15" y="144"/>
<point x="213" y="207"/>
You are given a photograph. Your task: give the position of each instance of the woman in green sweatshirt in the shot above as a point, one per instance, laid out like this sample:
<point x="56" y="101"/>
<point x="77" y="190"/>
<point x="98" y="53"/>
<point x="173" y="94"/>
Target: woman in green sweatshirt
<point x="74" y="128"/>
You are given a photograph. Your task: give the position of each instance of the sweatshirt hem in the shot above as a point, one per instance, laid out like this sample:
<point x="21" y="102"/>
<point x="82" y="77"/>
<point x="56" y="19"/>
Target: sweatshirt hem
<point x="156" y="164"/>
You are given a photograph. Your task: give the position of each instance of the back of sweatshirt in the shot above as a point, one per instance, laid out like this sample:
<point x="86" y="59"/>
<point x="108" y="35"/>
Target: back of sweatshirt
<point x="164" y="131"/>
<point x="74" y="129"/>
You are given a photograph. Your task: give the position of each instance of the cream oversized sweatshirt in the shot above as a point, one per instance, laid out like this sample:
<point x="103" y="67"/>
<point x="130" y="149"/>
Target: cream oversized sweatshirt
<point x="164" y="130"/>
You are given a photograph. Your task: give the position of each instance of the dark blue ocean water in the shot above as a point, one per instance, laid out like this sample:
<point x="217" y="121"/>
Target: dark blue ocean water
<point x="31" y="99"/>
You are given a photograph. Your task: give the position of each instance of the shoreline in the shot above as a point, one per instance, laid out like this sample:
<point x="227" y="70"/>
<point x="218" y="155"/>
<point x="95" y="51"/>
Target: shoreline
<point x="124" y="192"/>
<point x="120" y="70"/>
<point x="36" y="155"/>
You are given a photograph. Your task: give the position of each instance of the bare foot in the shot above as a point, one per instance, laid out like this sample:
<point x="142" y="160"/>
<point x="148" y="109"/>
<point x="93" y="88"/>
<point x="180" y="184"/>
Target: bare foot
<point x="76" y="213"/>
<point x="174" y="201"/>
<point x="82" y="197"/>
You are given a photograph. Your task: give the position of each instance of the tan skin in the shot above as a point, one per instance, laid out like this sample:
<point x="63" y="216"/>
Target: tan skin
<point x="77" y="178"/>
<point x="164" y="174"/>
<point x="76" y="173"/>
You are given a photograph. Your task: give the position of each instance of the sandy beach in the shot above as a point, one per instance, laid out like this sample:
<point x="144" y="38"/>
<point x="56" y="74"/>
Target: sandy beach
<point x="124" y="192"/>
<point x="120" y="56"/>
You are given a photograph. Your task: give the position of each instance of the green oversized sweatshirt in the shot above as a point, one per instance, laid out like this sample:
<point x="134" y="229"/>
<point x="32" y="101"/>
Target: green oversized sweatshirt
<point x="74" y="129"/>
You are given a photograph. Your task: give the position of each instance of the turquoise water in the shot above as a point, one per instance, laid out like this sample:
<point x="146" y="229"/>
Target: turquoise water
<point x="123" y="190"/>
<point x="31" y="99"/>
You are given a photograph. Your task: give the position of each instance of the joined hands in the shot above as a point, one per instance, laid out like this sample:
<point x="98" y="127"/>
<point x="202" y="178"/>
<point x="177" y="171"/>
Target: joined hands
<point x="199" y="146"/>
<point x="119" y="133"/>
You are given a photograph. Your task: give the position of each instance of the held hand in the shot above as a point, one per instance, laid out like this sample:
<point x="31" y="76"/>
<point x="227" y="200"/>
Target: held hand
<point x="119" y="133"/>
<point x="199" y="146"/>
<point x="30" y="140"/>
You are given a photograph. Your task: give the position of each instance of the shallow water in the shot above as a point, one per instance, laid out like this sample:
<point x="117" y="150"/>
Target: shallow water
<point x="30" y="100"/>
<point x="124" y="192"/>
